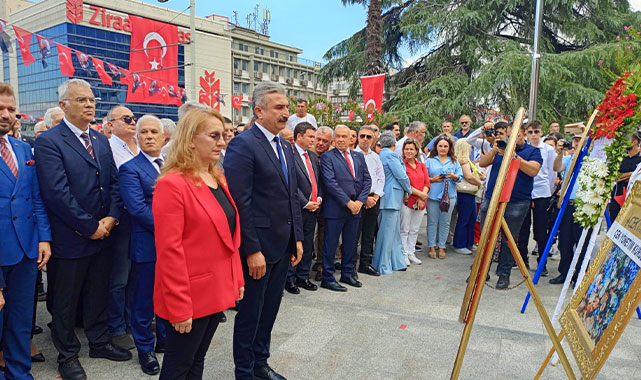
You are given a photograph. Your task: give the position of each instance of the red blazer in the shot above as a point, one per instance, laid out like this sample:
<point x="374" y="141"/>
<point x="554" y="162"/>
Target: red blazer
<point x="198" y="269"/>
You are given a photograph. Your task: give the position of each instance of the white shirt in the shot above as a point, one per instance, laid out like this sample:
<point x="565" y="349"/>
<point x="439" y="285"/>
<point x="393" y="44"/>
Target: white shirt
<point x="302" y="153"/>
<point x="164" y="151"/>
<point x="153" y="160"/>
<point x="544" y="180"/>
<point x="293" y="120"/>
<point x="474" y="139"/>
<point x="398" y="149"/>
<point x="13" y="154"/>
<point x="350" y="158"/>
<point x="121" y="150"/>
<point x="634" y="177"/>
<point x="270" y="137"/>
<point x="376" y="171"/>
<point x="77" y="131"/>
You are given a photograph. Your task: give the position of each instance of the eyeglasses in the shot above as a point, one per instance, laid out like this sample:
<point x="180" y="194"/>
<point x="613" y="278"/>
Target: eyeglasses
<point x="127" y="119"/>
<point x="465" y="122"/>
<point x="534" y="132"/>
<point x="379" y="145"/>
<point x="83" y="99"/>
<point x="366" y="136"/>
<point x="215" y="136"/>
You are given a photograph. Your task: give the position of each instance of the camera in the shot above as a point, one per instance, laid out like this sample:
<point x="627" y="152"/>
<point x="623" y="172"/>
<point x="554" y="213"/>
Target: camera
<point x="567" y="145"/>
<point x="502" y="144"/>
<point x="490" y="132"/>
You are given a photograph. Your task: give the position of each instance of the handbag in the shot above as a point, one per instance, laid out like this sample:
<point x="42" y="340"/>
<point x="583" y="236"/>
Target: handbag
<point x="445" y="199"/>
<point x="465" y="187"/>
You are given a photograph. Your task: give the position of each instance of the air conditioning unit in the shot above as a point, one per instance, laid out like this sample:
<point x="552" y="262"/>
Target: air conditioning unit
<point x="274" y="78"/>
<point x="303" y="82"/>
<point x="258" y="76"/>
<point x="238" y="72"/>
<point x="290" y="81"/>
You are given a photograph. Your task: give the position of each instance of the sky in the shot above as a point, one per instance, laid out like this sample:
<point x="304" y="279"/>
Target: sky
<point x="313" y="26"/>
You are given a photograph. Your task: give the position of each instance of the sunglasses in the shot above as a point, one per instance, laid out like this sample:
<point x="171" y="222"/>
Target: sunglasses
<point x="535" y="132"/>
<point x="365" y="136"/>
<point x="379" y="145"/>
<point x="127" y="119"/>
<point x="215" y="136"/>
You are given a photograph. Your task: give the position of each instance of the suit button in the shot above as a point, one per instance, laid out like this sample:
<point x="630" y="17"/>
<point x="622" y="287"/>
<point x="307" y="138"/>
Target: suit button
<point x="27" y="198"/>
<point x="100" y="187"/>
<point x="97" y="173"/>
<point x="13" y="199"/>
<point x="15" y="218"/>
<point x="29" y="217"/>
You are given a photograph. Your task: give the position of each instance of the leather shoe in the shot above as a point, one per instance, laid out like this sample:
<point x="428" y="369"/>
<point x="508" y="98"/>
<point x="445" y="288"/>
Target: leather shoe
<point x="557" y="280"/>
<point x="123" y="341"/>
<point x="38" y="358"/>
<point x="149" y="363"/>
<point x="160" y="348"/>
<point x="319" y="275"/>
<point x="267" y="373"/>
<point x="72" y="370"/>
<point x="111" y="352"/>
<point x="291" y="287"/>
<point x="223" y="318"/>
<point x="369" y="270"/>
<point x="503" y="282"/>
<point x="37" y="330"/>
<point x="333" y="285"/>
<point x="306" y="284"/>
<point x="351" y="281"/>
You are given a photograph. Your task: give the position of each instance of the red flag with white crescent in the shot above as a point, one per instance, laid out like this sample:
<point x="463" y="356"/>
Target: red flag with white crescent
<point x="351" y="115"/>
<point x="373" y="93"/>
<point x="24" y="41"/>
<point x="99" y="65"/>
<point x="237" y="101"/>
<point x="154" y="48"/>
<point x="64" y="57"/>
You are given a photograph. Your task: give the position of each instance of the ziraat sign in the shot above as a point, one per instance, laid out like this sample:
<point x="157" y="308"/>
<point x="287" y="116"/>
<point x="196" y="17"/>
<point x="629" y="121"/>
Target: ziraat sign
<point x="103" y="17"/>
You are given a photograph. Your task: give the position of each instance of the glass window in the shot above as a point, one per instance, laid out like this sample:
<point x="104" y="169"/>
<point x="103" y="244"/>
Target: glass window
<point x="256" y="66"/>
<point x="244" y="88"/>
<point x="236" y="63"/>
<point x="236" y="86"/>
<point x="244" y="64"/>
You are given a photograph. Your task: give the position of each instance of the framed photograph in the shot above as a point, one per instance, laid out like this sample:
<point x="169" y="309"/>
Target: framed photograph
<point x="609" y="293"/>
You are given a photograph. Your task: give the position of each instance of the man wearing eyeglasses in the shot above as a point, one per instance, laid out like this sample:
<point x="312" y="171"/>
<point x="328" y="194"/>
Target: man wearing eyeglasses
<point x="123" y="139"/>
<point x="79" y="186"/>
<point x="466" y="124"/>
<point x="542" y="189"/>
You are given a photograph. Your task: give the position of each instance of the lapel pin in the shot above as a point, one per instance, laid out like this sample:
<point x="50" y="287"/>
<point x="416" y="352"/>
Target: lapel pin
<point x="94" y="137"/>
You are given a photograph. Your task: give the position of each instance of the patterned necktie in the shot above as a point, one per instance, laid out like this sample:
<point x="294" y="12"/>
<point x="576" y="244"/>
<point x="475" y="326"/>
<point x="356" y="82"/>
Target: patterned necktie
<point x="351" y="168"/>
<point x="85" y="136"/>
<point x="7" y="157"/>
<point x="312" y="177"/>
<point x="159" y="162"/>
<point x="281" y="158"/>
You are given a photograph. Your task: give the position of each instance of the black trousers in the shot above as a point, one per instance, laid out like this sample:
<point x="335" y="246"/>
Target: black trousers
<point x="367" y="231"/>
<point x="86" y="281"/>
<point x="569" y="235"/>
<point x="537" y="217"/>
<point x="301" y="271"/>
<point x="185" y="355"/>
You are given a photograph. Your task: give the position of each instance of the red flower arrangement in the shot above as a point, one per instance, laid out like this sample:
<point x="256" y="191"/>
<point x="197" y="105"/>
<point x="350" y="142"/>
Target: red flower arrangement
<point x="619" y="104"/>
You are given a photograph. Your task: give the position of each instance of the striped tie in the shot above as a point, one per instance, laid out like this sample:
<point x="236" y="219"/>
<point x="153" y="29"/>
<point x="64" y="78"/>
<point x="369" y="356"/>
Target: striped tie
<point x="88" y="146"/>
<point x="6" y="156"/>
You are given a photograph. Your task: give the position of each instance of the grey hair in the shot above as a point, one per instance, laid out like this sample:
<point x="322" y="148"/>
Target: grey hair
<point x="110" y="113"/>
<point x="146" y="118"/>
<point x="260" y="92"/>
<point x="64" y="87"/>
<point x="168" y="125"/>
<point x="182" y="110"/>
<point x="342" y="126"/>
<point x="387" y="139"/>
<point x="367" y="128"/>
<point x="414" y="127"/>
<point x="48" y="118"/>
<point x="39" y="127"/>
<point x="325" y="129"/>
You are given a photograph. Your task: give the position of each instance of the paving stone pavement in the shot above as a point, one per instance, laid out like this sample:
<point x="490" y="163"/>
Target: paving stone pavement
<point x="399" y="326"/>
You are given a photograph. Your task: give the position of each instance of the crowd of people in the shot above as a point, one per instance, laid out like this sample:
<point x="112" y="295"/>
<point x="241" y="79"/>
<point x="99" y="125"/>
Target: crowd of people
<point x="149" y="231"/>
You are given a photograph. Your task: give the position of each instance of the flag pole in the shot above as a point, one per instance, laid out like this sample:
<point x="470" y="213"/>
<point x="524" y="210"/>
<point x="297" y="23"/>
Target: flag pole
<point x="534" y="76"/>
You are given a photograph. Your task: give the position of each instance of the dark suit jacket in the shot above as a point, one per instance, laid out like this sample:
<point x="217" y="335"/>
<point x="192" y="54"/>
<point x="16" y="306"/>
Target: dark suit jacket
<point x="23" y="219"/>
<point x="136" y="180"/>
<point x="269" y="211"/>
<point x="77" y="189"/>
<point x="304" y="191"/>
<point x="340" y="185"/>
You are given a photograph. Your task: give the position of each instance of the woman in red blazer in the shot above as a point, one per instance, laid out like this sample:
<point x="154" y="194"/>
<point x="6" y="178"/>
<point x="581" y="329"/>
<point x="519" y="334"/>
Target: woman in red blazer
<point x="197" y="233"/>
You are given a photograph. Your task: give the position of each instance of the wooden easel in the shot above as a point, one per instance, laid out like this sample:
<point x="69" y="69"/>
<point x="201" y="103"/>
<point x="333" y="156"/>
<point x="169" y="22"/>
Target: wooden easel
<point x="495" y="222"/>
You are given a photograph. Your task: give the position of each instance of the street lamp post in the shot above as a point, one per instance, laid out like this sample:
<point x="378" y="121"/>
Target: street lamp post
<point x="534" y="76"/>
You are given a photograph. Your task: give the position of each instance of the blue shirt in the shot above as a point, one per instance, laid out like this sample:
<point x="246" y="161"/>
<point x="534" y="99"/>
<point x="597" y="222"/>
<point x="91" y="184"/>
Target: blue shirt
<point x="567" y="161"/>
<point x="524" y="183"/>
<point x="459" y="134"/>
<point x="436" y="168"/>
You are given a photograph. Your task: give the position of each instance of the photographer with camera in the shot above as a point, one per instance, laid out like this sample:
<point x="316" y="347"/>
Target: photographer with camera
<point x="519" y="204"/>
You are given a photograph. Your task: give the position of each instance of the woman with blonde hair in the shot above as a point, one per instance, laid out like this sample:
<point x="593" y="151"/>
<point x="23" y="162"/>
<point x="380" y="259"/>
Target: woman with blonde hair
<point x="465" y="197"/>
<point x="197" y="234"/>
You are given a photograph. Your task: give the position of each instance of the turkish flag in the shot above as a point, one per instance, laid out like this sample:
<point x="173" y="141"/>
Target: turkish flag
<point x="620" y="199"/>
<point x="24" y="41"/>
<point x="45" y="45"/>
<point x="125" y="76"/>
<point x="64" y="57"/>
<point x="152" y="40"/>
<point x="100" y="69"/>
<point x="373" y="93"/>
<point x="237" y="101"/>
<point x="351" y="115"/>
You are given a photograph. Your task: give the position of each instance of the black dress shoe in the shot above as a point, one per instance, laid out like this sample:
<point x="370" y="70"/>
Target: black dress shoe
<point x="333" y="285"/>
<point x="557" y="280"/>
<point x="306" y="284"/>
<point x="291" y="287"/>
<point x="111" y="352"/>
<point x="38" y="358"/>
<point x="160" y="348"/>
<point x="355" y="276"/>
<point x="37" y="330"/>
<point x="369" y="270"/>
<point x="149" y="363"/>
<point x="503" y="282"/>
<point x="223" y="318"/>
<point x="267" y="373"/>
<point x="351" y="281"/>
<point x="544" y="273"/>
<point x="72" y="370"/>
<point x="319" y="275"/>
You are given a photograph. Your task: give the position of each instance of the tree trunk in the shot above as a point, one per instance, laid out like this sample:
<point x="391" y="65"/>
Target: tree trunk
<point x="374" y="32"/>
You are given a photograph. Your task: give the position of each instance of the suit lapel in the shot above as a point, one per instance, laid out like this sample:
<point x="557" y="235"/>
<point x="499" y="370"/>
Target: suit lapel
<point x="267" y="146"/>
<point x="5" y="168"/>
<point x="213" y="210"/>
<point x="301" y="165"/>
<point x="356" y="164"/>
<point x="95" y="144"/>
<point x="21" y="163"/>
<point x="146" y="166"/>
<point x="342" y="158"/>
<point x="71" y="140"/>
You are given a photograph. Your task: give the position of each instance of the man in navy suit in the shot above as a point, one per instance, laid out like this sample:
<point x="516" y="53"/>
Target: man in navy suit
<point x="261" y="173"/>
<point x="25" y="236"/>
<point x="310" y="196"/>
<point x="136" y="180"/>
<point x="79" y="183"/>
<point x="347" y="183"/>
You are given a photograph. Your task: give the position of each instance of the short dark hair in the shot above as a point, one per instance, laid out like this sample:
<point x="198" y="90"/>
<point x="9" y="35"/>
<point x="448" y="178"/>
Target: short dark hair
<point x="636" y="136"/>
<point x="353" y="129"/>
<point x="227" y="120"/>
<point x="301" y="100"/>
<point x="534" y="124"/>
<point x="550" y="137"/>
<point x="240" y="125"/>
<point x="558" y="135"/>
<point x="390" y="126"/>
<point x="501" y="125"/>
<point x="301" y="128"/>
